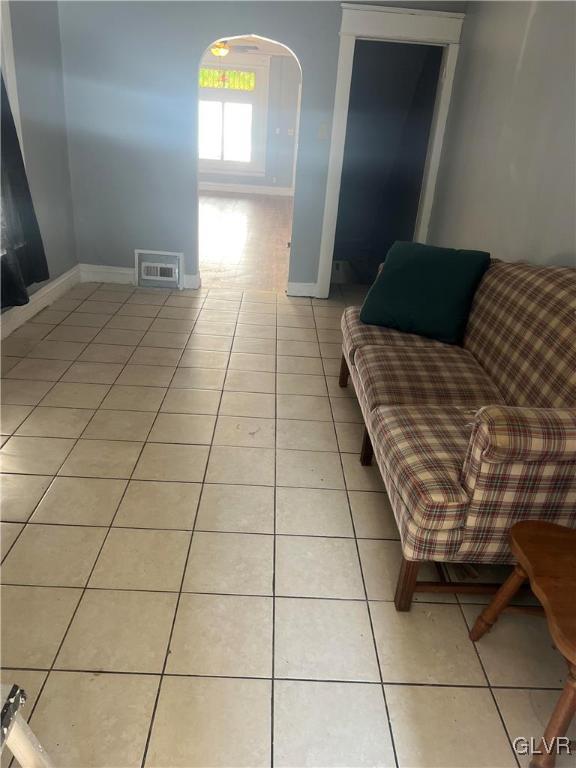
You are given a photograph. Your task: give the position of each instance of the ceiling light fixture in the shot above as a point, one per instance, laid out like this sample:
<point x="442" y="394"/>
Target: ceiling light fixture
<point x="220" y="48"/>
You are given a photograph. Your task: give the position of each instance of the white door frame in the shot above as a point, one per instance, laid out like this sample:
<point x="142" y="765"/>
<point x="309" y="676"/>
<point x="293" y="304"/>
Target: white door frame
<point x="400" y="25"/>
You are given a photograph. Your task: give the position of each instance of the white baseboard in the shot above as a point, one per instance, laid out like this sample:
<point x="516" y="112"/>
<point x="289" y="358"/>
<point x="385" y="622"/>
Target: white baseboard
<point x="301" y="289"/>
<point x="82" y="273"/>
<point x="99" y="273"/>
<point x="246" y="189"/>
<point x="16" y="316"/>
<point x="191" y="281"/>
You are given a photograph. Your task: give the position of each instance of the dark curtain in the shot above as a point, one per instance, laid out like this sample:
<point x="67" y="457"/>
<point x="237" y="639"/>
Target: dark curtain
<point x="22" y="257"/>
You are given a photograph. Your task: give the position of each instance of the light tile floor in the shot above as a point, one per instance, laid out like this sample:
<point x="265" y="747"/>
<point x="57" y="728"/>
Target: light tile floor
<point x="198" y="572"/>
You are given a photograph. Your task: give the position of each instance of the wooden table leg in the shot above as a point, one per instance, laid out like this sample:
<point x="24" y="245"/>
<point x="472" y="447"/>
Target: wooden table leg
<point x="489" y="615"/>
<point x="557" y="727"/>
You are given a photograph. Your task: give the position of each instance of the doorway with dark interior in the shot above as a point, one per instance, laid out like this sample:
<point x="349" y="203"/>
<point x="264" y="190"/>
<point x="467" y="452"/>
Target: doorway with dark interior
<point x="391" y="109"/>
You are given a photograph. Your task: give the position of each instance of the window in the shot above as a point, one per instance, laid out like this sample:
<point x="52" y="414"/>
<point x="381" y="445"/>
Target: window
<point x="210" y="130"/>
<point x="225" y="131"/>
<point x="237" y="132"/>
<point x="232" y="116"/>
<point x="227" y="79"/>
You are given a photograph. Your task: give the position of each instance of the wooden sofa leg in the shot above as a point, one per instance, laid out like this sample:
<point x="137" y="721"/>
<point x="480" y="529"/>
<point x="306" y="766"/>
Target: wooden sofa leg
<point x="366" y="452"/>
<point x="406" y="584"/>
<point x="344" y="373"/>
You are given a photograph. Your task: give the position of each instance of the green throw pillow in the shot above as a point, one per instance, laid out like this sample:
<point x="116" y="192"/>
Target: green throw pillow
<point x="425" y="290"/>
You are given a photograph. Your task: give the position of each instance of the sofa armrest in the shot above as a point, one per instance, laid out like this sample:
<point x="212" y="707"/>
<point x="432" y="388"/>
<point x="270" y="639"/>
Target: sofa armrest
<point x="503" y="434"/>
<point x="520" y="465"/>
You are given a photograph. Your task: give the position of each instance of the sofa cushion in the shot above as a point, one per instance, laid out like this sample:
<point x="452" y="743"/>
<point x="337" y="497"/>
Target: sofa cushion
<point x="521" y="330"/>
<point x="441" y="375"/>
<point x="425" y="289"/>
<point x="421" y="451"/>
<point x="357" y="334"/>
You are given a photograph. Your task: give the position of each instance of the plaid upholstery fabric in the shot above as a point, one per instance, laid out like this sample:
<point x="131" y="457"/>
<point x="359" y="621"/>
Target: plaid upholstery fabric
<point x="458" y="479"/>
<point x="360" y="394"/>
<point x="444" y="375"/>
<point x="438" y="545"/>
<point x="525" y="434"/>
<point x="456" y="494"/>
<point x="357" y="334"/>
<point x="521" y="330"/>
<point x="531" y="474"/>
<point x="422" y="450"/>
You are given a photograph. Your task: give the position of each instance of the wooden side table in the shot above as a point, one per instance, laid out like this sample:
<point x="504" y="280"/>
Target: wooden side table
<point x="546" y="555"/>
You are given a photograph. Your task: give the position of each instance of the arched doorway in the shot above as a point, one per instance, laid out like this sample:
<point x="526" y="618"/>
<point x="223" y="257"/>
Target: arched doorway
<point x="248" y="115"/>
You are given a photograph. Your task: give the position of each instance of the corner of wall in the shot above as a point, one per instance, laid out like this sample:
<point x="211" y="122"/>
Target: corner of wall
<point x="38" y="82"/>
<point x="67" y="137"/>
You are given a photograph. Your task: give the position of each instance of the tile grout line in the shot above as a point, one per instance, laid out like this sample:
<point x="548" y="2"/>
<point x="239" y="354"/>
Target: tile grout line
<point x="98" y="407"/>
<point x="185" y="568"/>
<point x="373" y="683"/>
<point x="34" y="407"/>
<point x="136" y="346"/>
<point x="489" y="685"/>
<point x="200" y="530"/>
<point x="167" y="388"/>
<point x="274" y="500"/>
<point x="223" y="594"/>
<point x="84" y="589"/>
<point x="259" y="485"/>
<point x="367" y="604"/>
<point x="77" y="439"/>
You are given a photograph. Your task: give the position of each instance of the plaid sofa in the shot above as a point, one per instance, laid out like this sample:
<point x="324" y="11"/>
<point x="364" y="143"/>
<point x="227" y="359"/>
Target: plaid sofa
<point x="471" y="439"/>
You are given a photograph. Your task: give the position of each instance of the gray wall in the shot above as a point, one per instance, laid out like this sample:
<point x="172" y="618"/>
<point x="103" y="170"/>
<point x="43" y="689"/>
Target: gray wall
<point x="284" y="83"/>
<point x="130" y="79"/>
<point x="507" y="178"/>
<point x="36" y="42"/>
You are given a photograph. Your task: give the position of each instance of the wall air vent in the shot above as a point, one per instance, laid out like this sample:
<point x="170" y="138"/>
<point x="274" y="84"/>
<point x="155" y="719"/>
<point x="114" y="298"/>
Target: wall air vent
<point x="158" y="269"/>
<point x="150" y="271"/>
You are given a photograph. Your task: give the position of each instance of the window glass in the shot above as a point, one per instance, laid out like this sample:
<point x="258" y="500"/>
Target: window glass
<point x="237" y="132"/>
<point x="210" y="130"/>
<point x="227" y="79"/>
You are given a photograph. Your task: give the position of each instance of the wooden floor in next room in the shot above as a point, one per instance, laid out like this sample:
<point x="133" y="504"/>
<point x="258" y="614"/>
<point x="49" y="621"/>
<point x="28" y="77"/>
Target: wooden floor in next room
<point x="244" y="240"/>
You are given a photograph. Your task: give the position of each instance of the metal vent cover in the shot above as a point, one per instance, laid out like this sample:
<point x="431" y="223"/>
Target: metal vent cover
<point x="158" y="269"/>
<point x="150" y="271"/>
